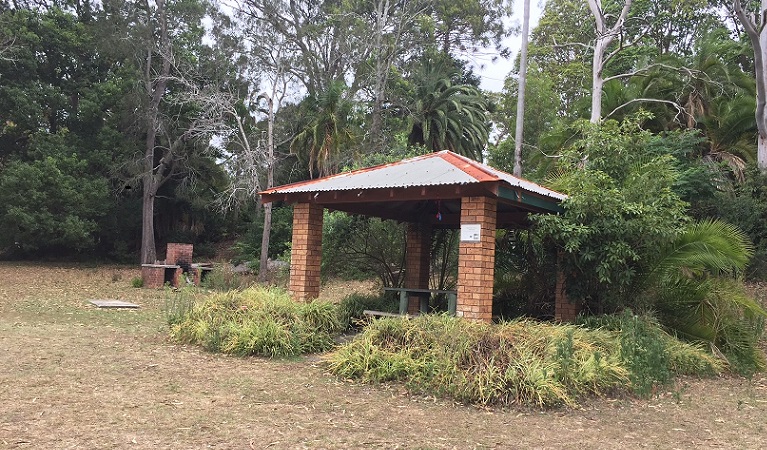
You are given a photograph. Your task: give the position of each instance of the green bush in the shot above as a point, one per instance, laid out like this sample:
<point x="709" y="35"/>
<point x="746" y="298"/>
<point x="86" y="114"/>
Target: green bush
<point x="258" y="321"/>
<point x="520" y="362"/>
<point x="651" y="355"/>
<point x="351" y="307"/>
<point x="137" y="282"/>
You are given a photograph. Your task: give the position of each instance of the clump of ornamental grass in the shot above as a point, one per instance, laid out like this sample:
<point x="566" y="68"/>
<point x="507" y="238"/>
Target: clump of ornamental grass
<point x="258" y="321"/>
<point x="522" y="362"/>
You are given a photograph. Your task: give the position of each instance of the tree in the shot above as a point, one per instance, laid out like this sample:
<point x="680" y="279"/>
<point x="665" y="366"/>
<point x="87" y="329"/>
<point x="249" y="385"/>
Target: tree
<point x="754" y="25"/>
<point x="447" y="114"/>
<point x="620" y="208"/>
<point x="521" y="91"/>
<point x="47" y="206"/>
<point x="183" y="108"/>
<point x="606" y="35"/>
<point x="329" y="130"/>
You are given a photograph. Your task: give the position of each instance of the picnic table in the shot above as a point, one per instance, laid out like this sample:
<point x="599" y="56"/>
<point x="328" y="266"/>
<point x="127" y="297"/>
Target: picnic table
<point x="423" y="295"/>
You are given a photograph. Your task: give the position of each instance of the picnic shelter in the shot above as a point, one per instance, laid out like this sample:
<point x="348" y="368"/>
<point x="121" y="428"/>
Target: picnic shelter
<point x="437" y="190"/>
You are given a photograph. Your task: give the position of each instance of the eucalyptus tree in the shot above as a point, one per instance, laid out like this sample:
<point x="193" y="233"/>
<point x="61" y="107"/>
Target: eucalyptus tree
<point x="521" y="91"/>
<point x="319" y="36"/>
<point x="753" y="21"/>
<point x="606" y="33"/>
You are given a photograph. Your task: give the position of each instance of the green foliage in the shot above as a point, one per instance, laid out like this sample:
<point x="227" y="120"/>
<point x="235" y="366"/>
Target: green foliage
<point x="521" y="362"/>
<point x="248" y="248"/>
<point x="46" y="205"/>
<point x="223" y="278"/>
<point x="447" y="114"/>
<point x="352" y="306"/>
<point x="137" y="282"/>
<point x="746" y="207"/>
<point x="178" y="305"/>
<point x="258" y="321"/>
<point x="357" y="247"/>
<point x="652" y="356"/>
<point x="330" y="129"/>
<point x="627" y="243"/>
<point x="620" y="208"/>
<point x="692" y="284"/>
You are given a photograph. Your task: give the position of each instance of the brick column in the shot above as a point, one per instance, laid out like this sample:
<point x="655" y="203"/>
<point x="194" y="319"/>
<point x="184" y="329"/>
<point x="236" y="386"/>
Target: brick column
<point x="306" y="254"/>
<point x="564" y="309"/>
<point x="476" y="261"/>
<point x="417" y="262"/>
<point x="153" y="275"/>
<point x="179" y="254"/>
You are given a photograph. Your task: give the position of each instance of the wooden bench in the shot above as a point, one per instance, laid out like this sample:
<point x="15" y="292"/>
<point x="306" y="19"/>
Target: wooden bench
<point x="369" y="312"/>
<point x="423" y="295"/>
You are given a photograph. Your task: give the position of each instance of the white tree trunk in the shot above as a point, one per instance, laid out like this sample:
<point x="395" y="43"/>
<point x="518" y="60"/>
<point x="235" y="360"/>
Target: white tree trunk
<point x="754" y="24"/>
<point x="597" y="80"/>
<point x="605" y="36"/>
<point x="519" y="131"/>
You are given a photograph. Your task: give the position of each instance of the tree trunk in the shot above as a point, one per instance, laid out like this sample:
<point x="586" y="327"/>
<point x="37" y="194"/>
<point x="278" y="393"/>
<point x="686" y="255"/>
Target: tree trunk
<point x="263" y="267"/>
<point x="518" y="133"/>
<point x="381" y="75"/>
<point x="605" y="36"/>
<point x="753" y="24"/>
<point x="597" y="81"/>
<point x="156" y="90"/>
<point x="148" y="250"/>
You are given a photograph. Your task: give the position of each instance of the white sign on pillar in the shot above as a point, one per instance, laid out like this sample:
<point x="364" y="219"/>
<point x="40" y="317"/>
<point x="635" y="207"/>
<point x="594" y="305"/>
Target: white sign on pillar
<point x="471" y="232"/>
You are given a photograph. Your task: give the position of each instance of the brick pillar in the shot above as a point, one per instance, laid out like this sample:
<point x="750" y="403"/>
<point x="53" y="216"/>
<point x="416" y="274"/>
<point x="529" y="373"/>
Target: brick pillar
<point x="476" y="260"/>
<point x="153" y="275"/>
<point x="306" y="254"/>
<point x="564" y="310"/>
<point x="417" y="262"/>
<point x="179" y="254"/>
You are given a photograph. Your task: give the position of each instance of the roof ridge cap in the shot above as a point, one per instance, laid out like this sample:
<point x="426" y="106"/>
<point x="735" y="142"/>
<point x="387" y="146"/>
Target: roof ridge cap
<point x="476" y="165"/>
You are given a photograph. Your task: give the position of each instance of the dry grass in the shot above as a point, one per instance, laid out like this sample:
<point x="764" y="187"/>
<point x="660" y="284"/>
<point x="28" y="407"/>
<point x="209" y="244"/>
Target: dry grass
<point x="73" y="376"/>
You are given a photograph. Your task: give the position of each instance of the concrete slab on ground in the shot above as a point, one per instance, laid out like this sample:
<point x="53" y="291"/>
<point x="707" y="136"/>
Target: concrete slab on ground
<point x="113" y="304"/>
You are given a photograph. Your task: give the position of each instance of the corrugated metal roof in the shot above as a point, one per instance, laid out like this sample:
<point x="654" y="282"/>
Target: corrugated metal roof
<point x="441" y="168"/>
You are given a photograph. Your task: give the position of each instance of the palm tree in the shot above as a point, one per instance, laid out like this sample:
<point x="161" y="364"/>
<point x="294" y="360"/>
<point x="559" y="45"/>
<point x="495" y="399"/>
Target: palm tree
<point x="447" y="114"/>
<point x="694" y="290"/>
<point x="328" y="131"/>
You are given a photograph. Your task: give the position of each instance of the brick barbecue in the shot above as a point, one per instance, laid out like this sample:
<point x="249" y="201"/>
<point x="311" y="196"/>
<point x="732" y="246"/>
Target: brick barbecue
<point x="176" y="269"/>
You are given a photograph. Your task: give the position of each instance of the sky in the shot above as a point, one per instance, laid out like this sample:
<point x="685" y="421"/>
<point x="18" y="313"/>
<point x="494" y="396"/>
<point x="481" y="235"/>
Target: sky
<point x="492" y="72"/>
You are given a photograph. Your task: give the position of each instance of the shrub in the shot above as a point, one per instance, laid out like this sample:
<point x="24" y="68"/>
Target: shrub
<point x="137" y="282"/>
<point x="520" y="362"/>
<point x="351" y="307"/>
<point x="651" y="355"/>
<point x="258" y="321"/>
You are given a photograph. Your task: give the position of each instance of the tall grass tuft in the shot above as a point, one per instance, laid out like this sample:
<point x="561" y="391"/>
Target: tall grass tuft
<point x="258" y="321"/>
<point x="521" y="362"/>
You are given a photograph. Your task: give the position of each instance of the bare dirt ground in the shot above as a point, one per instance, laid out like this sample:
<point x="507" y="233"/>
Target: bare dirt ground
<point x="73" y="376"/>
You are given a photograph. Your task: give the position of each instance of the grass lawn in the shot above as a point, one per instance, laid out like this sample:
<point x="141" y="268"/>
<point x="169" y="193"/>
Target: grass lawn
<point x="74" y="376"/>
